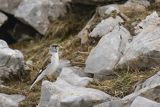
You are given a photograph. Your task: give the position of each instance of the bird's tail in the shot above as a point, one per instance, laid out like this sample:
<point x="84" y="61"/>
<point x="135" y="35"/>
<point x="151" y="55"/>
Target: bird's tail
<point x="37" y="79"/>
<point x="33" y="85"/>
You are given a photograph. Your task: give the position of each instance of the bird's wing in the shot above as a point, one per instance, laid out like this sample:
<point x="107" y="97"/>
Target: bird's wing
<point x="46" y="62"/>
<point x="41" y="73"/>
<point x="40" y="77"/>
<point x="44" y="65"/>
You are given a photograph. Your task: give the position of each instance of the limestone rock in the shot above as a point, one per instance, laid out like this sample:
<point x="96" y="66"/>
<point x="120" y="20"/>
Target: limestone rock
<point x="151" y="92"/>
<point x="72" y="78"/>
<point x="62" y="63"/>
<point x="9" y="6"/>
<point x="37" y="13"/>
<point x="143" y="51"/>
<point x="62" y="94"/>
<point x="10" y="100"/>
<point x="3" y="18"/>
<point x="107" y="10"/>
<point x="80" y="72"/>
<point x="11" y="61"/>
<point x="56" y="9"/>
<point x="143" y="102"/>
<point x="113" y="103"/>
<point x="103" y="58"/>
<point x="3" y="44"/>
<point x="150" y="81"/>
<point x="149" y="20"/>
<point x="105" y="26"/>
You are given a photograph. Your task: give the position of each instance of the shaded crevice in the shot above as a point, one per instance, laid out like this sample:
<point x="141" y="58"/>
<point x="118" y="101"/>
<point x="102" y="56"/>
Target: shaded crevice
<point x="14" y="30"/>
<point x="99" y="3"/>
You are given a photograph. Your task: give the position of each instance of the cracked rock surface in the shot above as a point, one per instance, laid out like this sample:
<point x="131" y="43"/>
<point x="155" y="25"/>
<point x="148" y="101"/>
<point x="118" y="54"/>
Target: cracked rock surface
<point x="11" y="61"/>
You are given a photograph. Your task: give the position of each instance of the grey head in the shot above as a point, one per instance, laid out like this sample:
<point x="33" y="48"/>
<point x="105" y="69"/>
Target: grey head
<point x="53" y="48"/>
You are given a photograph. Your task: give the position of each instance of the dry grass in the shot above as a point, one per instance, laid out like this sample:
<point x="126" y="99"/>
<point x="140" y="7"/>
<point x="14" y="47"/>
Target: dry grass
<point x="123" y="82"/>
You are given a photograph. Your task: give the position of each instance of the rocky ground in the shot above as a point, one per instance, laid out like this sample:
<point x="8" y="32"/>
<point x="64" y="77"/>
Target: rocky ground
<point x="116" y="41"/>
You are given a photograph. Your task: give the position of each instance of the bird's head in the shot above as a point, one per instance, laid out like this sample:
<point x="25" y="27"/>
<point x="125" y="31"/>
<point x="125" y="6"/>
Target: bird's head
<point x="53" y="48"/>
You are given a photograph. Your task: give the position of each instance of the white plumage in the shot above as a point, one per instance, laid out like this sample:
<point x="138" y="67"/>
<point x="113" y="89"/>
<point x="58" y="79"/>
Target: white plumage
<point x="51" y="67"/>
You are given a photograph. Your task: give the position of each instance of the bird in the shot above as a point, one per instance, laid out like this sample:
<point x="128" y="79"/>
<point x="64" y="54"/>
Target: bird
<point x="51" y="68"/>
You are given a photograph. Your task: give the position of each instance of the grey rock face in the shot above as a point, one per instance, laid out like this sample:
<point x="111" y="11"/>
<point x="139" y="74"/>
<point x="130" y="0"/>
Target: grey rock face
<point x="105" y="26"/>
<point x="62" y="64"/>
<point x="133" y="100"/>
<point x="143" y="102"/>
<point x="56" y="9"/>
<point x="150" y="20"/>
<point x="103" y="58"/>
<point x="37" y="12"/>
<point x="72" y="78"/>
<point x="151" y="92"/>
<point x="3" y="18"/>
<point x="11" y="61"/>
<point x="114" y="103"/>
<point x="10" y="100"/>
<point x="3" y="44"/>
<point x="150" y="81"/>
<point x="144" y="50"/>
<point x="80" y="72"/>
<point x="62" y="94"/>
<point x="9" y="5"/>
<point x="106" y="11"/>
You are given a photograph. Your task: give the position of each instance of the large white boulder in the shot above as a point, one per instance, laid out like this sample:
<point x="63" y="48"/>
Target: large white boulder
<point x="62" y="94"/>
<point x="155" y="79"/>
<point x="38" y="13"/>
<point x="105" y="26"/>
<point x="11" y="61"/>
<point x="3" y="44"/>
<point x="72" y="78"/>
<point x="151" y="92"/>
<point x="152" y="19"/>
<point x="107" y="10"/>
<point x="103" y="58"/>
<point x="9" y="6"/>
<point x="113" y="103"/>
<point x="143" y="102"/>
<point x="57" y="9"/>
<point x="10" y="100"/>
<point x="80" y="71"/>
<point x="143" y="51"/>
<point x="62" y="63"/>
